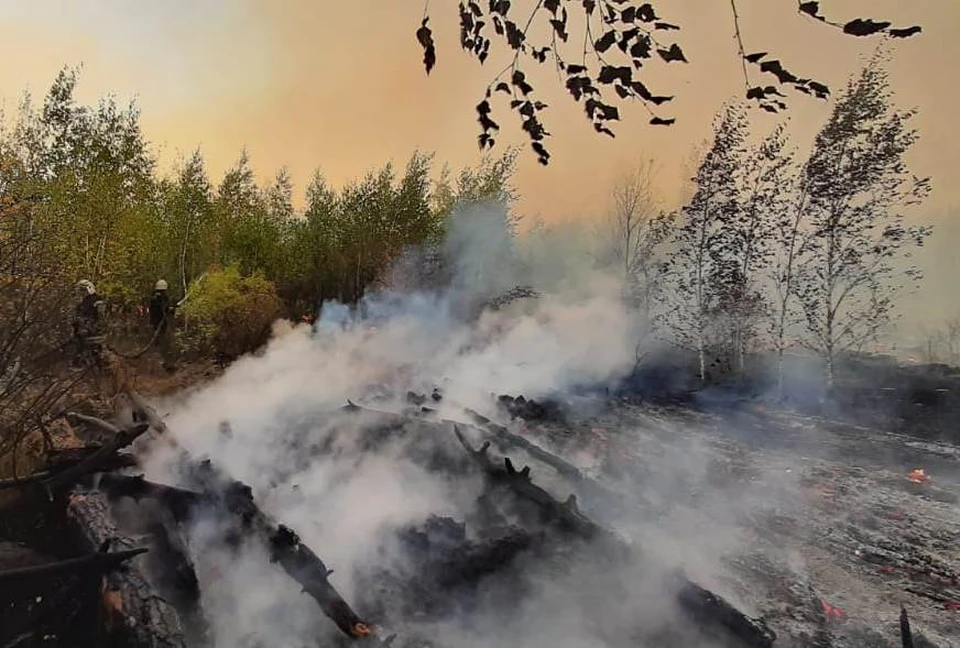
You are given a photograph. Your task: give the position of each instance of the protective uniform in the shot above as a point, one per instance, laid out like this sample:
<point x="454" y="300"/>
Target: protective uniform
<point x="161" y="314"/>
<point x="88" y="325"/>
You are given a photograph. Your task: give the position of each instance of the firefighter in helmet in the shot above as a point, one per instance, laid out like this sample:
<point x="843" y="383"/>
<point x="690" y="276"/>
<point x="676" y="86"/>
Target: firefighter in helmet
<point x="161" y="321"/>
<point x="88" y="322"/>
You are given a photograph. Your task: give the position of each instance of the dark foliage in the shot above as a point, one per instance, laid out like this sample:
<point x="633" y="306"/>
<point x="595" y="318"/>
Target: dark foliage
<point x="619" y="38"/>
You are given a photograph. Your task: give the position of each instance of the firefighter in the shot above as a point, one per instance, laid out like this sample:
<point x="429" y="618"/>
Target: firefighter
<point x="161" y="316"/>
<point x="88" y="324"/>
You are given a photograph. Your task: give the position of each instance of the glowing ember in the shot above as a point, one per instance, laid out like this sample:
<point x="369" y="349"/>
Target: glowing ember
<point x="832" y="611"/>
<point x="361" y="630"/>
<point x="917" y="476"/>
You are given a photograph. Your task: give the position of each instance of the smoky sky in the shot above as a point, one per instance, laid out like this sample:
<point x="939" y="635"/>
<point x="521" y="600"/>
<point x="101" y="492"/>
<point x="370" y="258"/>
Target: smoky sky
<point x="339" y="86"/>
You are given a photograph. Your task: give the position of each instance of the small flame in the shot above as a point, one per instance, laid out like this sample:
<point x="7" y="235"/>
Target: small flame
<point x="917" y="476"/>
<point x="361" y="630"/>
<point x="832" y="611"/>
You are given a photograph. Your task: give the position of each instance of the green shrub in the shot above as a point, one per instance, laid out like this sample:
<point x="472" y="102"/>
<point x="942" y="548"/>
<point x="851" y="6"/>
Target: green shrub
<point x="229" y="314"/>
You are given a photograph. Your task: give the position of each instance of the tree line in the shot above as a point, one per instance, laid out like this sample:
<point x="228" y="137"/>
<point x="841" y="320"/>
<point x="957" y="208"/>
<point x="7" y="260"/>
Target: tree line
<point x="86" y="178"/>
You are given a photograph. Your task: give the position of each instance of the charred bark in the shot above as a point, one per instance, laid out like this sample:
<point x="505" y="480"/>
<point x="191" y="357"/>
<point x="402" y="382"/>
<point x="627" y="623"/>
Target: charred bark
<point x="134" y="614"/>
<point x="95" y="461"/>
<point x="94" y="563"/>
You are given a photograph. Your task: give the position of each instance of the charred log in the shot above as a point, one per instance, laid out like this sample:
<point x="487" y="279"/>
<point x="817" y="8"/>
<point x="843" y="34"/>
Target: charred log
<point x="96" y="460"/>
<point x="66" y="460"/>
<point x="135" y="615"/>
<point x="286" y="549"/>
<point x="95" y="563"/>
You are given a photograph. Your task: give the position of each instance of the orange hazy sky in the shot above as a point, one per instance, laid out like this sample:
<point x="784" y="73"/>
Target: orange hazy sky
<point x="338" y="84"/>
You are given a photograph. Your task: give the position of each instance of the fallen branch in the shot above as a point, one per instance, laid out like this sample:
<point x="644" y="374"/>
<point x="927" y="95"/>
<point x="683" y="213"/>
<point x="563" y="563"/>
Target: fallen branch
<point x="179" y="501"/>
<point x="506" y="441"/>
<point x="94" y="563"/>
<point x="114" y="462"/>
<point x="95" y="461"/>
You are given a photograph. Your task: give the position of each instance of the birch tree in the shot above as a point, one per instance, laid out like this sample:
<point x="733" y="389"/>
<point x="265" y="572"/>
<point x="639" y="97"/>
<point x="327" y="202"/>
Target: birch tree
<point x="859" y="188"/>
<point x="697" y="261"/>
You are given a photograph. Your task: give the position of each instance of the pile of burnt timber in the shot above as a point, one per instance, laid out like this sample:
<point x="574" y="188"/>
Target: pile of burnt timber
<point x="153" y="599"/>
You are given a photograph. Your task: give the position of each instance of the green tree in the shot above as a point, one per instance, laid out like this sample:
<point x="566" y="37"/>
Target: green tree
<point x="858" y="186"/>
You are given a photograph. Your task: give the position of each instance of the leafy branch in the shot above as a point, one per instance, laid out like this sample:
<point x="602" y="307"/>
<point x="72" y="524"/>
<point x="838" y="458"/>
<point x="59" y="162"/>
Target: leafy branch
<point x="620" y="38"/>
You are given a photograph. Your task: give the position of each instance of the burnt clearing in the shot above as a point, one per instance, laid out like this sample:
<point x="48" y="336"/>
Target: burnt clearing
<point x="753" y="527"/>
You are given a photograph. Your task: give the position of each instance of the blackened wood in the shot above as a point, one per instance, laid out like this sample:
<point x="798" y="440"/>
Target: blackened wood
<point x="285" y="547"/>
<point x="96" y="460"/>
<point x="296" y="559"/>
<point x="135" y="614"/>
<point x="704" y="606"/>
<point x="114" y="462"/>
<point x="91" y="563"/>
<point x="179" y="501"/>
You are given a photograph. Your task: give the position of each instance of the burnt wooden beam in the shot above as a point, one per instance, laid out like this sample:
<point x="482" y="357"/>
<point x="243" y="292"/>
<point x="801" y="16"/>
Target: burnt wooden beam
<point x="179" y="501"/>
<point x="98" y="459"/>
<point x="285" y="547"/>
<point x="115" y="462"/>
<point x="94" y="563"/>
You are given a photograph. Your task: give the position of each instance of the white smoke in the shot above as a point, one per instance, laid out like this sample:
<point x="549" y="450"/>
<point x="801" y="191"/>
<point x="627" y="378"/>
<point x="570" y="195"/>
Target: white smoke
<point x="345" y="501"/>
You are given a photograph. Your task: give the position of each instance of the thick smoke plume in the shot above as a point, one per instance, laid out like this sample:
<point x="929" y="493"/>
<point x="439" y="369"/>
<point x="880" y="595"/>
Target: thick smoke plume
<point x="347" y="503"/>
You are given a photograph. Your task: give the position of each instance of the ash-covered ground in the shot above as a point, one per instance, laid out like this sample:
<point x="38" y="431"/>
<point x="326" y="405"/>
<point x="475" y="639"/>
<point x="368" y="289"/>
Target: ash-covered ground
<point x="821" y="528"/>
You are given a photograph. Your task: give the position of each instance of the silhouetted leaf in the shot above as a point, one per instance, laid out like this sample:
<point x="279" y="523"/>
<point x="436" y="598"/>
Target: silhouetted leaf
<point x="819" y="89"/>
<point x="543" y="157"/>
<point x="515" y="37"/>
<point x="756" y="56"/>
<point x="646" y="13"/>
<point x="811" y="8"/>
<point x="665" y="26"/>
<point x="906" y="32"/>
<point x="672" y="54"/>
<point x="610" y="73"/>
<point x="641" y="49"/>
<point x="641" y="90"/>
<point x="775" y="68"/>
<point x="600" y="128"/>
<point x="425" y="38"/>
<point x="552" y="6"/>
<point x="606" y="41"/>
<point x="864" y="27"/>
<point x="589" y="6"/>
<point x="503" y="87"/>
<point x="657" y="121"/>
<point x="519" y="80"/>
